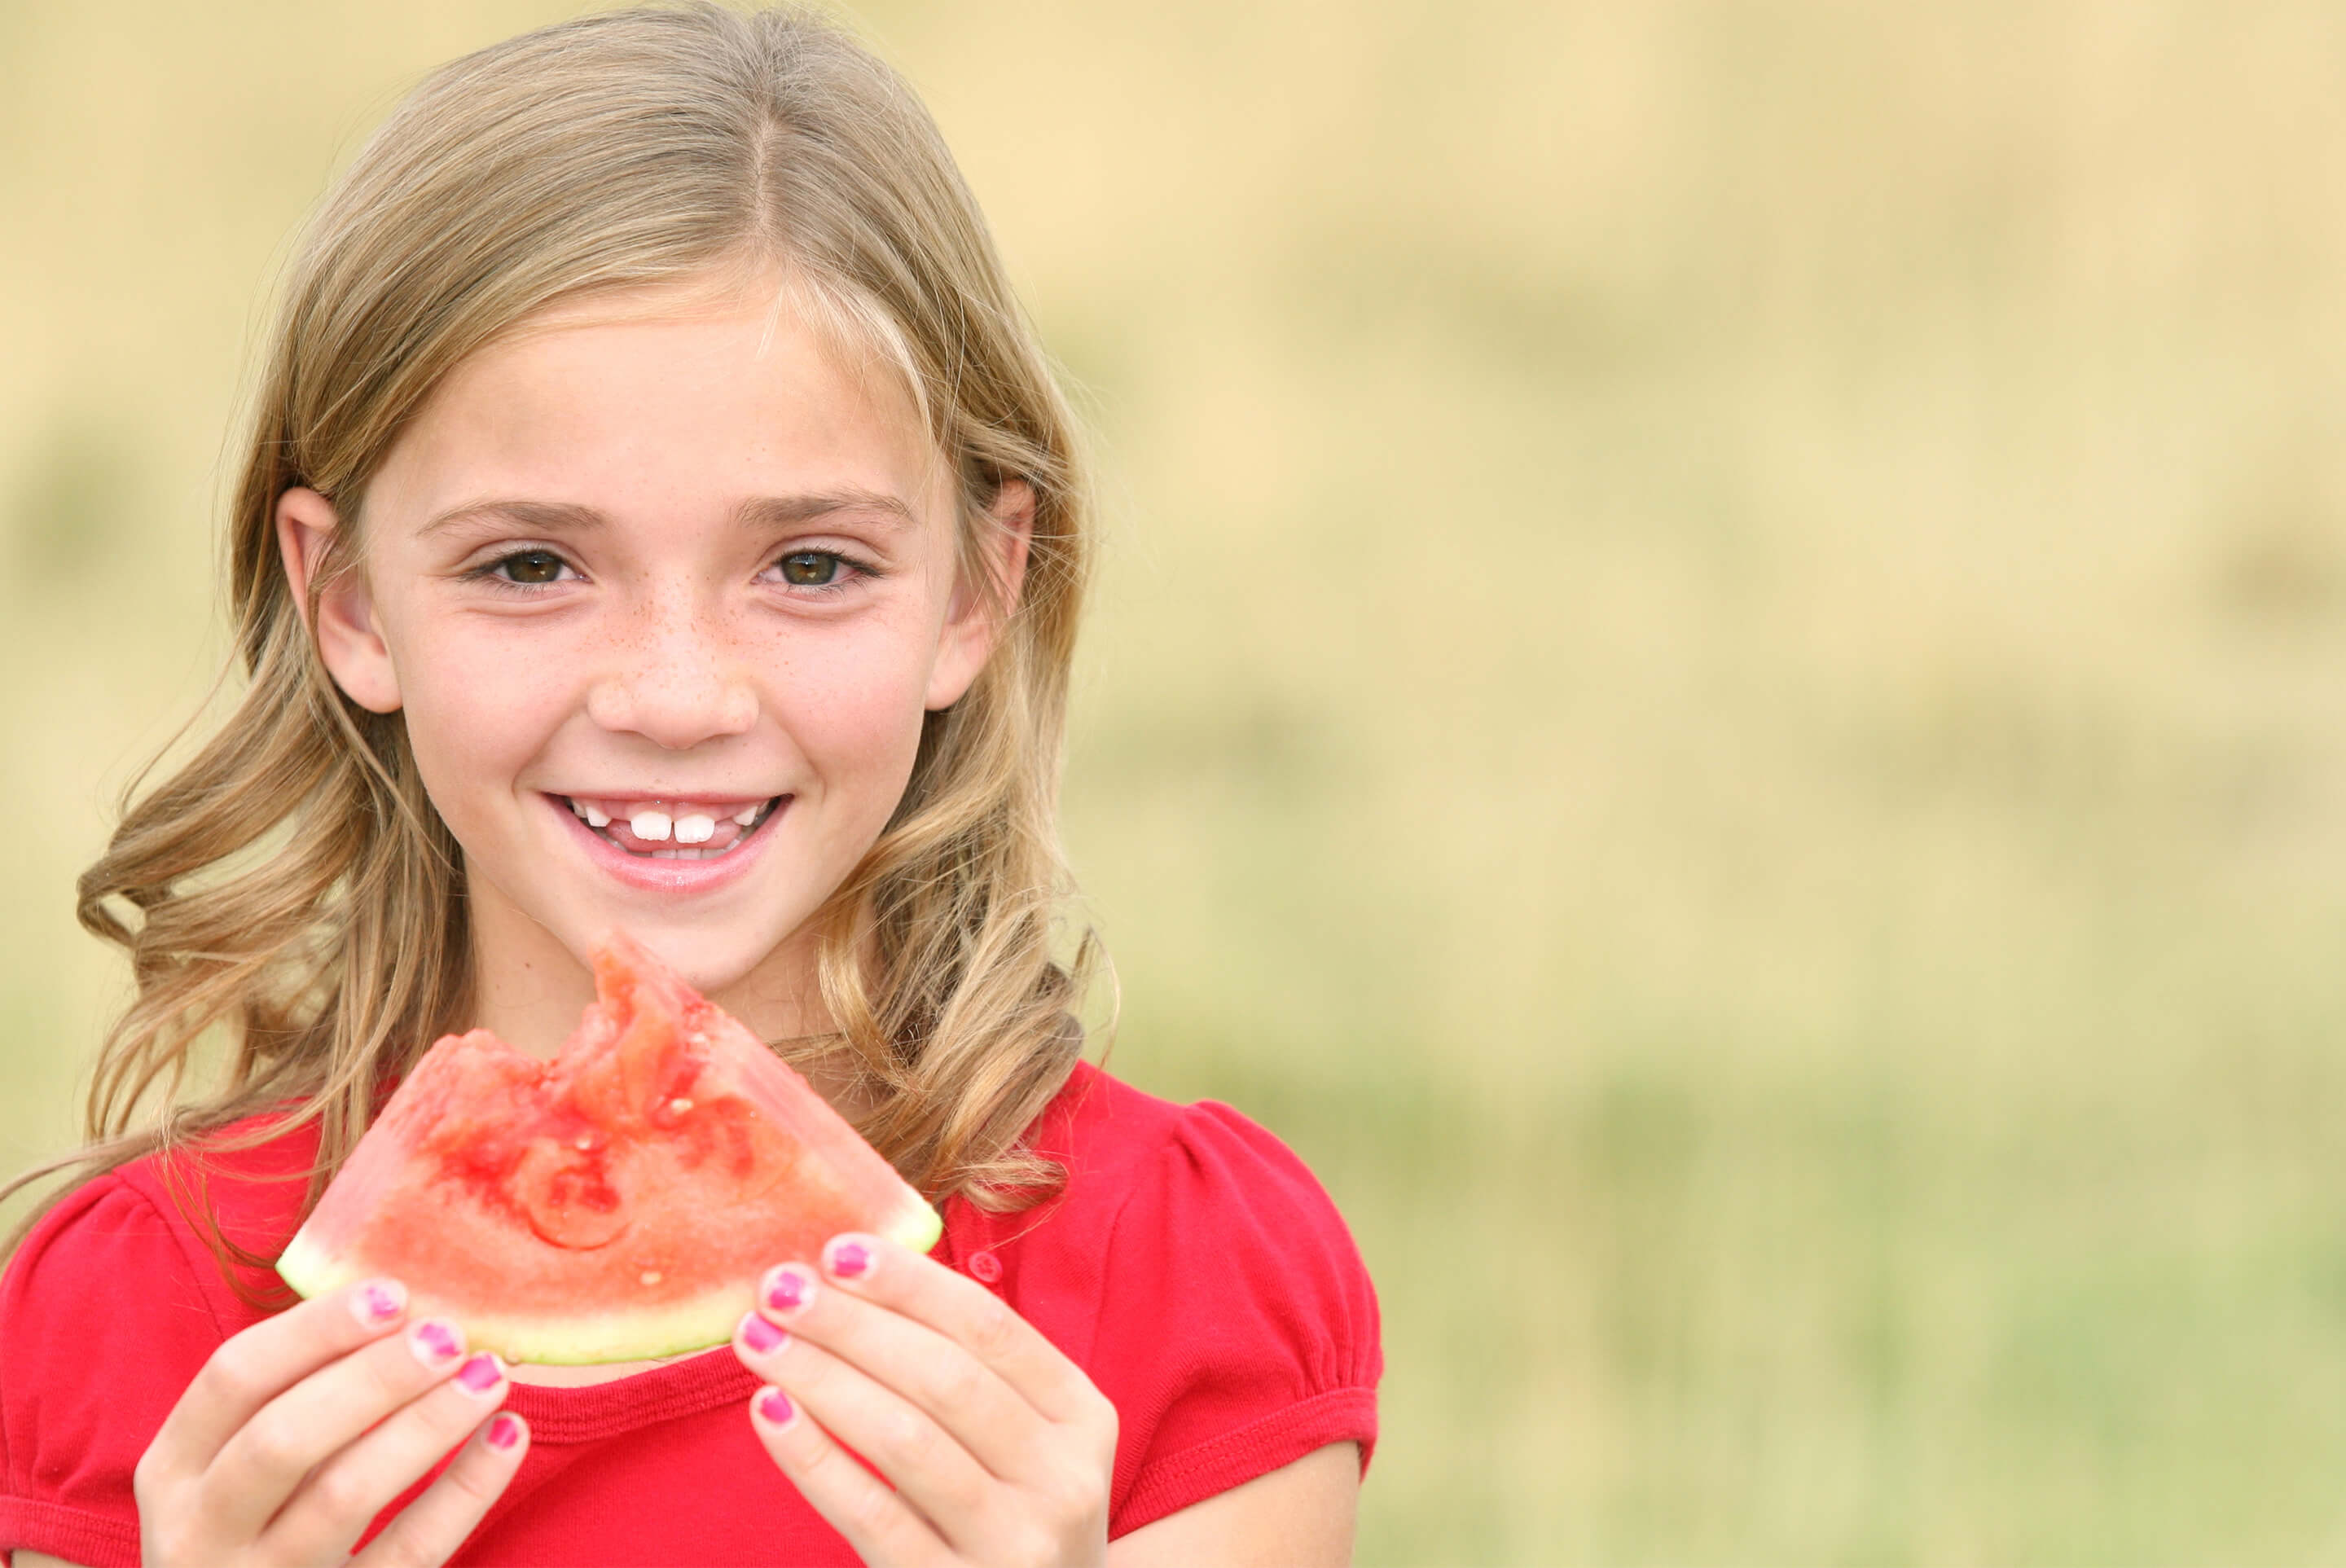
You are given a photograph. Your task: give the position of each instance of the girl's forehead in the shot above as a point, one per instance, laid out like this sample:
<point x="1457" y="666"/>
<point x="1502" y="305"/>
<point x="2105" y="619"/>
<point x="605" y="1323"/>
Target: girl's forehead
<point x="628" y="400"/>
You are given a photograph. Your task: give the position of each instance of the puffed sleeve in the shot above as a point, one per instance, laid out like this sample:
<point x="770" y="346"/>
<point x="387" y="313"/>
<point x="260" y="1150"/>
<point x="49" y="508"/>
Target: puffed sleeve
<point x="102" y="1325"/>
<point x="1237" y="1328"/>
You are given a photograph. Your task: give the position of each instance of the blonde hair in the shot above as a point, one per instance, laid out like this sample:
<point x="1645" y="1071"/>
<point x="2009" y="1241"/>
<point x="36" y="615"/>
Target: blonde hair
<point x="620" y="151"/>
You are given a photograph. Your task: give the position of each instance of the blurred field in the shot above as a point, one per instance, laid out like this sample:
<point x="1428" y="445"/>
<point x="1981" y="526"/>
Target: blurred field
<point x="1721" y="689"/>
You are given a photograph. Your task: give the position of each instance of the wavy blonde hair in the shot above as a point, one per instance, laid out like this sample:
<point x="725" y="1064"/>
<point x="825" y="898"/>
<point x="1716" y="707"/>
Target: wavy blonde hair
<point x="292" y="893"/>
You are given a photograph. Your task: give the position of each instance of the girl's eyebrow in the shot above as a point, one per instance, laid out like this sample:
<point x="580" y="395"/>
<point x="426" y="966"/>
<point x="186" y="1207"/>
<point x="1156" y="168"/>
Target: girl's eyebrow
<point x="758" y="511"/>
<point x="783" y="512"/>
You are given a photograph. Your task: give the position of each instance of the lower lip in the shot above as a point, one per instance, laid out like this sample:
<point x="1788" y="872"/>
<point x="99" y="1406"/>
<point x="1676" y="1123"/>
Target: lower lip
<point x="648" y="875"/>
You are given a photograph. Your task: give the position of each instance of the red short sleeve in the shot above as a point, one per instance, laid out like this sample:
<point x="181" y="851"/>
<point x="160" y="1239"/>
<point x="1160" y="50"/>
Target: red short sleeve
<point x="1237" y="1329"/>
<point x="102" y="1325"/>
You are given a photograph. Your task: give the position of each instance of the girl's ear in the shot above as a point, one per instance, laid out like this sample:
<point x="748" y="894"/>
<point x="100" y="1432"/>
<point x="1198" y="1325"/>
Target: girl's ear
<point x="975" y="620"/>
<point x="349" y="639"/>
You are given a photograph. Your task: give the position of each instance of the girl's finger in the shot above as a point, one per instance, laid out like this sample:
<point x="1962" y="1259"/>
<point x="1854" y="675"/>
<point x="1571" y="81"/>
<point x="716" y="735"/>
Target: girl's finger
<point x="965" y="1397"/>
<point x="927" y="1465"/>
<point x="879" y="1523"/>
<point x="327" y="1513"/>
<point x="430" y="1529"/>
<point x="258" y="1469"/>
<point x="263" y="1361"/>
<point x="970" y="1315"/>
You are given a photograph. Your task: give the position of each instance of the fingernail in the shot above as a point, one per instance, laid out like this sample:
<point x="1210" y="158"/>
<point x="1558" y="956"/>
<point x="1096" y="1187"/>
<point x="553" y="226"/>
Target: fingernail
<point x="775" y="1409"/>
<point x="504" y="1432"/>
<point x="481" y="1373"/>
<point x="378" y="1301"/>
<point x="434" y="1343"/>
<point x="850" y="1258"/>
<point x="788" y="1289"/>
<point x="762" y="1336"/>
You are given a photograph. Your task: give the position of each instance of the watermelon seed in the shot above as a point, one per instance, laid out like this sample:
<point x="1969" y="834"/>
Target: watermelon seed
<point x="650" y="1277"/>
<point x="679" y="1105"/>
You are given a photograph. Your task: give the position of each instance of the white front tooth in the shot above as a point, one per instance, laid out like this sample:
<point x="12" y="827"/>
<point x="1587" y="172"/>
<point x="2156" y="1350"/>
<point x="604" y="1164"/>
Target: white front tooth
<point x="747" y="815"/>
<point x="650" y="825"/>
<point x="694" y="828"/>
<point x="597" y="817"/>
<point x="577" y="809"/>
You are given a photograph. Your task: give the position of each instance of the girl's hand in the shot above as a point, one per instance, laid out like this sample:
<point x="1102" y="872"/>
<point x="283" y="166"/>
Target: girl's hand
<point x="301" y="1429"/>
<point x="998" y="1446"/>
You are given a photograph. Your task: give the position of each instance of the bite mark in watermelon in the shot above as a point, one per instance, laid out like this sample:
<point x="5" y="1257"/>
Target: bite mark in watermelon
<point x="614" y="1204"/>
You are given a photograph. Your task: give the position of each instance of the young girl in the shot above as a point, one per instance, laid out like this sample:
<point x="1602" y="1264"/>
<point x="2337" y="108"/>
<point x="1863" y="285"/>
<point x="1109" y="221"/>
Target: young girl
<point x="660" y="517"/>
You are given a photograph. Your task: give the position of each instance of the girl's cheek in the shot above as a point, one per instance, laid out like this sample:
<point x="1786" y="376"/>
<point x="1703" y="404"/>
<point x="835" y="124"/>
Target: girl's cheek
<point x="861" y="708"/>
<point x="475" y="714"/>
<point x="873" y="676"/>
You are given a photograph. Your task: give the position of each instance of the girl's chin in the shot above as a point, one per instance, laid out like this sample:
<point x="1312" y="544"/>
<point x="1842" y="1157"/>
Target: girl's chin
<point x="720" y="959"/>
<point x="710" y="969"/>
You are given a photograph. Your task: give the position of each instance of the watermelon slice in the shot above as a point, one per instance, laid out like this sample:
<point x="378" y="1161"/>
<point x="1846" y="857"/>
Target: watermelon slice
<point x="614" y="1204"/>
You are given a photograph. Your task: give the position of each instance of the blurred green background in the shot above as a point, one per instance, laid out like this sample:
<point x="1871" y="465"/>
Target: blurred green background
<point x="1720" y="687"/>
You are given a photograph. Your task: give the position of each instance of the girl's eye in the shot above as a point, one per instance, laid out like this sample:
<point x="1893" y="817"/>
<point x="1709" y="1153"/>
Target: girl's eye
<point x="810" y="568"/>
<point x="531" y="566"/>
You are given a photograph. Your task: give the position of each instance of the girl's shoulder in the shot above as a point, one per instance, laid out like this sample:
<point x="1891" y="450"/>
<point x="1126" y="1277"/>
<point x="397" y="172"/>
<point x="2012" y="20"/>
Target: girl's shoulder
<point x="209" y="1217"/>
<point x="1132" y="1157"/>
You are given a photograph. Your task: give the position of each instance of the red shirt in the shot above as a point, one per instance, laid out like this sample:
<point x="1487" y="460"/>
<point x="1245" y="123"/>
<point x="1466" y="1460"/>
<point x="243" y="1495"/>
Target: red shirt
<point x="1192" y="1268"/>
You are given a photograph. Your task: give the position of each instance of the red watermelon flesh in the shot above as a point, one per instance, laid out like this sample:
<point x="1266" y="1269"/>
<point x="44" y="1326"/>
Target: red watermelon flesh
<point x="614" y="1204"/>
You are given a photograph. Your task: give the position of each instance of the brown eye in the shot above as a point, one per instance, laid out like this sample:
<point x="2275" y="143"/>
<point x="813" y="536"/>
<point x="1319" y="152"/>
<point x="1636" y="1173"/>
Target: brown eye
<point x="809" y="569"/>
<point x="531" y="566"/>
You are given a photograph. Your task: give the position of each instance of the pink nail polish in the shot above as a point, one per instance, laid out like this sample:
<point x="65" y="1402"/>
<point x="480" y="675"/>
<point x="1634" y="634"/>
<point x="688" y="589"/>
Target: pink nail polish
<point x="774" y="1406"/>
<point x="504" y="1432"/>
<point x="481" y="1373"/>
<point x="762" y="1336"/>
<point x="850" y="1258"/>
<point x="789" y="1290"/>
<point x="434" y="1342"/>
<point x="380" y="1300"/>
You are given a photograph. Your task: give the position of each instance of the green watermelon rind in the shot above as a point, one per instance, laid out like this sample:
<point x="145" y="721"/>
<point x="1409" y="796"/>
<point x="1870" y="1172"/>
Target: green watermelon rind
<point x="651" y="1333"/>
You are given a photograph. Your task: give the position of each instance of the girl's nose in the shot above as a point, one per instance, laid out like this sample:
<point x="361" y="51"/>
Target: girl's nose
<point x="675" y="684"/>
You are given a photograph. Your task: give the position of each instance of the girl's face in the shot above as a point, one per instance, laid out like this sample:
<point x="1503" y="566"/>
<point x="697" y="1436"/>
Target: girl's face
<point x="663" y="595"/>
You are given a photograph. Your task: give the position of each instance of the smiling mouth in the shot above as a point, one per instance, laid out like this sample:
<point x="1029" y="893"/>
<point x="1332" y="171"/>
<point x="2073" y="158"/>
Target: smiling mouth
<point x="654" y="828"/>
